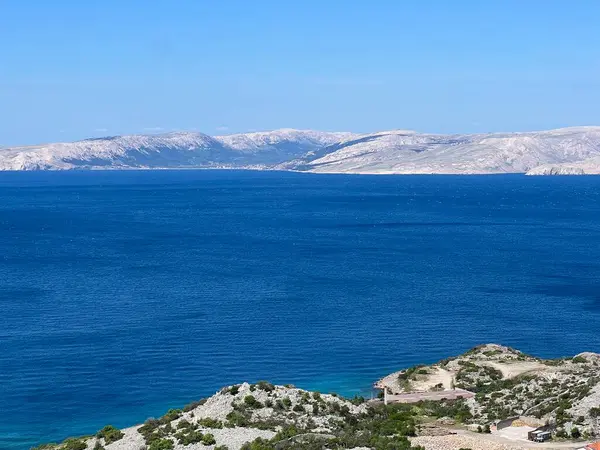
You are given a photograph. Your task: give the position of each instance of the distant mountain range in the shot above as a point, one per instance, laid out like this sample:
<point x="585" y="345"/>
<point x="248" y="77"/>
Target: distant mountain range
<point x="562" y="151"/>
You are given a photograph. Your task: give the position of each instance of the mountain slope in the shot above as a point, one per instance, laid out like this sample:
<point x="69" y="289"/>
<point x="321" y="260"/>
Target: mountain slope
<point x="282" y="145"/>
<point x="409" y="152"/>
<point x="589" y="166"/>
<point x="173" y="150"/>
<point x="566" y="150"/>
<point x="169" y="150"/>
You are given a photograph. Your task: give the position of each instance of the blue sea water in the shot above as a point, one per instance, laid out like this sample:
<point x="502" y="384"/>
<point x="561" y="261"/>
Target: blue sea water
<point x="123" y="294"/>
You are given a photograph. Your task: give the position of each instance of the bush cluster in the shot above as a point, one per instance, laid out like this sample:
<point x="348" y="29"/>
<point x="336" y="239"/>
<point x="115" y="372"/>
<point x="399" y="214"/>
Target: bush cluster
<point x="382" y="428"/>
<point x="110" y="434"/>
<point x="251" y="402"/>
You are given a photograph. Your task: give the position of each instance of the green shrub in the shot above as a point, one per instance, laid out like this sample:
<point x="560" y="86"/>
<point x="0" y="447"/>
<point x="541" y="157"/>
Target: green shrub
<point x="561" y="433"/>
<point x="575" y="433"/>
<point x="110" y="434"/>
<point x="209" y="422"/>
<point x="298" y="408"/>
<point x="192" y="437"/>
<point x="209" y="439"/>
<point x="287" y="432"/>
<point x="457" y="409"/>
<point x="183" y="423"/>
<point x="250" y="401"/>
<point x="236" y="419"/>
<point x="149" y="426"/>
<point x="265" y="386"/>
<point x="305" y="398"/>
<point x="161" y="444"/>
<point x="410" y="373"/>
<point x="258" y="444"/>
<point x="74" y="444"/>
<point x="333" y="406"/>
<point x="171" y="415"/>
<point x="358" y="400"/>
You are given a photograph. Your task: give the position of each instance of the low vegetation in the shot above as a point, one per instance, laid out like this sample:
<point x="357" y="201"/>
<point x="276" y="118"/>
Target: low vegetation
<point x="110" y="434"/>
<point x="381" y="427"/>
<point x="564" y="392"/>
<point x="506" y="383"/>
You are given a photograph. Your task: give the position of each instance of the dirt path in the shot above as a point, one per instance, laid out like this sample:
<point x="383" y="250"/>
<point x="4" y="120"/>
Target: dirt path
<point x="414" y="397"/>
<point x="514" y="369"/>
<point x="438" y="376"/>
<point x="522" y="443"/>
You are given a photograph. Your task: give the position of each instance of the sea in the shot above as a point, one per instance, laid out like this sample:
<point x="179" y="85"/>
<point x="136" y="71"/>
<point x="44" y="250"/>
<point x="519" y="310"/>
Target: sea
<point x="126" y="293"/>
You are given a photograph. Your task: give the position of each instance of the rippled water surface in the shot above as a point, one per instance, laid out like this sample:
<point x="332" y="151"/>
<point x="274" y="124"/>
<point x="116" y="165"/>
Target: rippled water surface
<point x="126" y="293"/>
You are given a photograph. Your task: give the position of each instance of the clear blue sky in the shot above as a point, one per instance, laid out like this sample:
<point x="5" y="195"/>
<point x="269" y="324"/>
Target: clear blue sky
<point x="75" y="69"/>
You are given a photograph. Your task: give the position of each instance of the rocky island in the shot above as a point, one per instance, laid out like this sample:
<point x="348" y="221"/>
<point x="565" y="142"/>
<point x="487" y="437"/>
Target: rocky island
<point x="564" y="151"/>
<point x="491" y="397"/>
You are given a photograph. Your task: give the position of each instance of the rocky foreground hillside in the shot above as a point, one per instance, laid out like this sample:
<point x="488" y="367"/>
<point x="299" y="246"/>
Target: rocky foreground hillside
<point x="259" y="416"/>
<point x="509" y="383"/>
<point x="506" y="383"/>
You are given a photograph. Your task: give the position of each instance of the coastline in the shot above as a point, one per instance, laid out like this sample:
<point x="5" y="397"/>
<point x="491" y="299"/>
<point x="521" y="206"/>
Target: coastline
<point x="313" y="172"/>
<point x="234" y="414"/>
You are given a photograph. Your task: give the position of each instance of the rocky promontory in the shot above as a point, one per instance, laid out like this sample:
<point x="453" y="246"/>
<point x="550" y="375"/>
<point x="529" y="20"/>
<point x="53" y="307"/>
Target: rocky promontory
<point x="509" y="393"/>
<point x="506" y="383"/>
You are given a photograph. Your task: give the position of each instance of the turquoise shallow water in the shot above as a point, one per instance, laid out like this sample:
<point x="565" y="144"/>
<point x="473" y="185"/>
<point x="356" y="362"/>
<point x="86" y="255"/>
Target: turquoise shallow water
<point x="126" y="293"/>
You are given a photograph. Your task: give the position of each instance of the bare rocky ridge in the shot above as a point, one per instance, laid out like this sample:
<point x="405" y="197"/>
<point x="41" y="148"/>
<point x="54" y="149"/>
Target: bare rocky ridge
<point x="589" y="166"/>
<point x="171" y="150"/>
<point x="562" y="151"/>
<point x="403" y="152"/>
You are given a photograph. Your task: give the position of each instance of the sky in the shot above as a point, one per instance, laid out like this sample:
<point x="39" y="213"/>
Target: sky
<point x="76" y="69"/>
